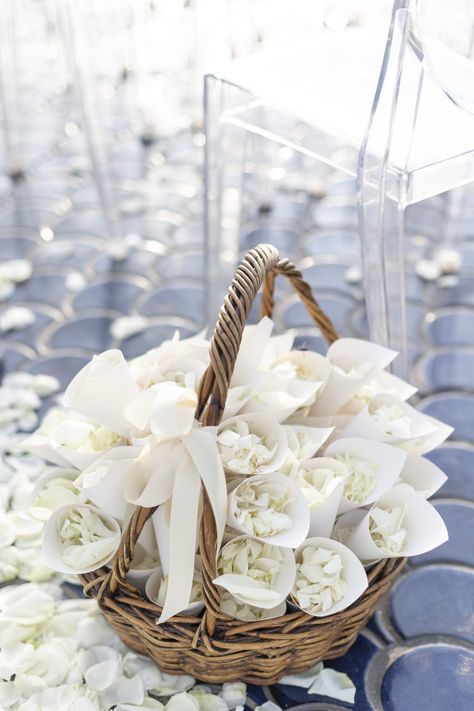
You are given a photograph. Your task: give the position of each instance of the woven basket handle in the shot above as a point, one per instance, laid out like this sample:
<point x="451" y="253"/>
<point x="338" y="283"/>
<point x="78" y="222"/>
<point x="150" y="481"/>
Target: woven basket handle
<point x="259" y="266"/>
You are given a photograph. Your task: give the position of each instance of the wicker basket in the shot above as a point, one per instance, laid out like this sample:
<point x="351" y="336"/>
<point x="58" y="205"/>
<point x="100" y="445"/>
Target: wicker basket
<point x="214" y="647"/>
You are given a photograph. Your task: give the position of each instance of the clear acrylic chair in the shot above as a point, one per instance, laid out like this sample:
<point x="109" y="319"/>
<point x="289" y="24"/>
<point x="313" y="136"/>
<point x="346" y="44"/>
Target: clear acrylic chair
<point x="360" y="118"/>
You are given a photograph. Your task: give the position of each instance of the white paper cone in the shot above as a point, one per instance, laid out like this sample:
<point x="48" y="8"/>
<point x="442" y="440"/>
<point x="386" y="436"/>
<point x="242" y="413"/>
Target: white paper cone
<point x="152" y="588"/>
<point x="323" y="515"/>
<point x="353" y="574"/>
<point x="102" y="390"/>
<point x="426" y="443"/>
<point x="52" y="548"/>
<point x="239" y="587"/>
<point x="388" y="463"/>
<point x="348" y="520"/>
<point x="303" y="443"/>
<point x="39" y="445"/>
<point x="262" y="426"/>
<point x="138" y="574"/>
<point x="381" y="383"/>
<point x="102" y="482"/>
<point x="364" y="424"/>
<point x="297" y="510"/>
<point x="43" y="513"/>
<point x="348" y="353"/>
<point x="422" y="475"/>
<point x="425" y="527"/>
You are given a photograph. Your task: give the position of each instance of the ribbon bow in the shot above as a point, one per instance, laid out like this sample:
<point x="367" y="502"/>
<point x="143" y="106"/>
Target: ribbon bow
<point x="174" y="469"/>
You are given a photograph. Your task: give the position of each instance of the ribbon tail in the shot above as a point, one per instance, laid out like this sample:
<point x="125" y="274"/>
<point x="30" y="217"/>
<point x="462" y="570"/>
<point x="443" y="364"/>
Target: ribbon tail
<point x="182" y="538"/>
<point x="202" y="448"/>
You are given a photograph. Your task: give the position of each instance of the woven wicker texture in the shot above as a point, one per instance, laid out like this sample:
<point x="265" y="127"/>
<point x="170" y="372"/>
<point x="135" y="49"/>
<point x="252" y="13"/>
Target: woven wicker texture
<point x="214" y="647"/>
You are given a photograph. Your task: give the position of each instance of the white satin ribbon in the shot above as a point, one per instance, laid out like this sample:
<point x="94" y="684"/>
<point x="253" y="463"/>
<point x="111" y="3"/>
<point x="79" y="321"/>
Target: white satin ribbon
<point x="178" y="468"/>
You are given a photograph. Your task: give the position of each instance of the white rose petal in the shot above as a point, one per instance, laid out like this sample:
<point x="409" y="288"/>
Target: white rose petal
<point x="15" y="318"/>
<point x="334" y="684"/>
<point x="234" y="693"/>
<point x="386" y="528"/>
<point x="251" y="444"/>
<point x="16" y="270"/>
<point x="126" y="326"/>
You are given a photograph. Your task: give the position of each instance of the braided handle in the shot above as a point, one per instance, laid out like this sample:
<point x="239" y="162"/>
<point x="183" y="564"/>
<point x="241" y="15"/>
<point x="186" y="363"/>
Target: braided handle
<point x="259" y="266"/>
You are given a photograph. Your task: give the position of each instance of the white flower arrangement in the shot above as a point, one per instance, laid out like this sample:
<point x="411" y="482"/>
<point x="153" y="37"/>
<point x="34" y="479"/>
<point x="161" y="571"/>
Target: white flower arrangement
<point x="304" y="439"/>
<point x="319" y="583"/>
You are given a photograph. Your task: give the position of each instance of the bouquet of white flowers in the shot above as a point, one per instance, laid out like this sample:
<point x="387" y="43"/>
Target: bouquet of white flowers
<point x="307" y="470"/>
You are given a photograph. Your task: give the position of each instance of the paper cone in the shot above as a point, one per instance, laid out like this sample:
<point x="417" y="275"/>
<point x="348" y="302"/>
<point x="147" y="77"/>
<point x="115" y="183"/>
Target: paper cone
<point x="39" y="445"/>
<point x="343" y="528"/>
<point x="102" y="482"/>
<point x="102" y="390"/>
<point x="52" y="548"/>
<point x="382" y="383"/>
<point x="426" y="443"/>
<point x="323" y="515"/>
<point x="347" y="353"/>
<point x="388" y="461"/>
<point x="240" y="587"/>
<point x="364" y="424"/>
<point x="262" y="426"/>
<point x="422" y="475"/>
<point x="425" y="527"/>
<point x="297" y="510"/>
<point x="303" y="443"/>
<point x="43" y="513"/>
<point x="141" y="569"/>
<point x="353" y="573"/>
<point x="152" y="588"/>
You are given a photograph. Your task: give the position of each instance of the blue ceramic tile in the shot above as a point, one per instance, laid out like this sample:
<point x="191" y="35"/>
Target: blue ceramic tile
<point x="430" y="678"/>
<point x="459" y="520"/>
<point x="457" y="462"/>
<point x="62" y="365"/>
<point x="450" y="327"/>
<point x="178" y="300"/>
<point x="139" y="261"/>
<point x="449" y="369"/>
<point x="284" y="239"/>
<point x="155" y="334"/>
<point x="13" y="356"/>
<point x="329" y="275"/>
<point x="436" y="599"/>
<point x="30" y="335"/>
<point x="90" y="333"/>
<point x="337" y="306"/>
<point x="15" y="247"/>
<point x="117" y="294"/>
<point x="182" y="265"/>
<point x="456" y="409"/>
<point x="73" y="251"/>
<point x="322" y="242"/>
<point x="48" y="289"/>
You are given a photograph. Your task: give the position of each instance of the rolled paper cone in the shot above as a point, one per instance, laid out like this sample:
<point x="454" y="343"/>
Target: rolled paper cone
<point x="313" y="439"/>
<point x="348" y="521"/>
<point x="255" y="338"/>
<point x="102" y="482"/>
<point x="353" y="574"/>
<point x="102" y="390"/>
<point x="384" y="383"/>
<point x="348" y="353"/>
<point x="333" y="424"/>
<point x="238" y="587"/>
<point x="50" y="474"/>
<point x="40" y="446"/>
<point x="422" y="475"/>
<point x="263" y="426"/>
<point x="152" y="588"/>
<point x="364" y="424"/>
<point x="388" y="462"/>
<point x="52" y="548"/>
<point x="139" y="573"/>
<point x="297" y="510"/>
<point x="426" y="443"/>
<point x="425" y="527"/>
<point x="323" y="515"/>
